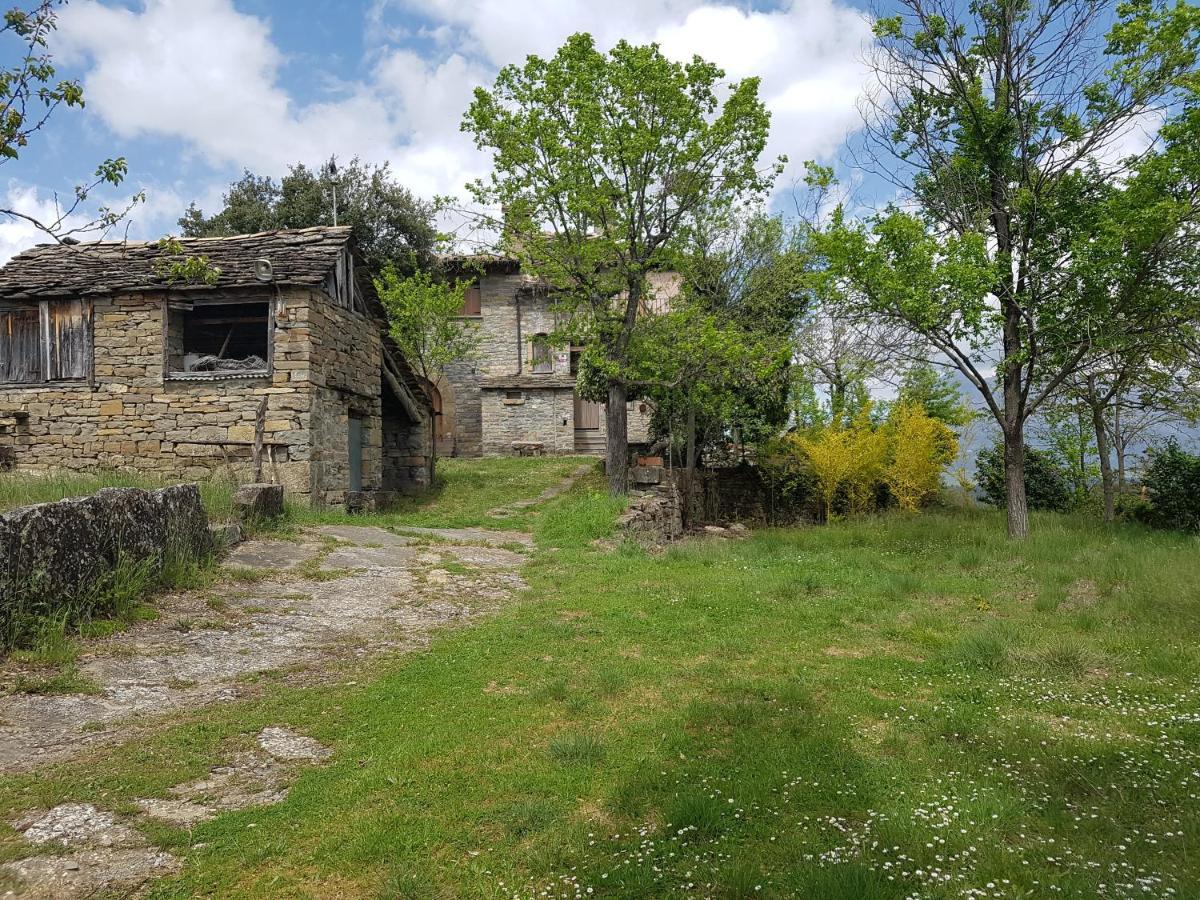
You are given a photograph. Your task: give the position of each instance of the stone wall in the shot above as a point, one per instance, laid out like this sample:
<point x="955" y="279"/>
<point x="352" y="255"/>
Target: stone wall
<point x="461" y="388"/>
<point x="729" y="494"/>
<point x="654" y="514"/>
<point x="58" y="555"/>
<point x="133" y="415"/>
<point x="543" y="415"/>
<point x="346" y="373"/>
<point x="406" y="451"/>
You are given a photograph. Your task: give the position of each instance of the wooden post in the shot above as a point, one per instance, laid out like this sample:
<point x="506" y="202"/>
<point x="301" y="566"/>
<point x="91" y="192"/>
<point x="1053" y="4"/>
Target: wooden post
<point x="259" y="421"/>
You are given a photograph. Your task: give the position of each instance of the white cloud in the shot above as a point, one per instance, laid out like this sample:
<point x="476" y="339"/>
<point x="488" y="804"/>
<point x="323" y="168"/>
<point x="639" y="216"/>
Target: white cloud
<point x="209" y="75"/>
<point x="19" y="234"/>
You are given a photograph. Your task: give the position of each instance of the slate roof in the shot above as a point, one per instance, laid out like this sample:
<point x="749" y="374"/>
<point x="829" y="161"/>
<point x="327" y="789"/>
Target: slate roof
<point x="301" y="256"/>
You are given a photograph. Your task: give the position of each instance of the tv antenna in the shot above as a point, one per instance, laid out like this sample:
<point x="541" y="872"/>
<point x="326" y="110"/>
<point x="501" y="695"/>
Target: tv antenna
<point x="331" y="171"/>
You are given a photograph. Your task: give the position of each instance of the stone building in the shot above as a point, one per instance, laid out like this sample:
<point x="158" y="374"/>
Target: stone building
<point x="518" y="390"/>
<point x="107" y="360"/>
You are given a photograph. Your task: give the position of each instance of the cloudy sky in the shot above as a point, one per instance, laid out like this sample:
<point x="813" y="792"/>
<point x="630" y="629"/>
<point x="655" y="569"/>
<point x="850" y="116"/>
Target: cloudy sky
<point x="192" y="92"/>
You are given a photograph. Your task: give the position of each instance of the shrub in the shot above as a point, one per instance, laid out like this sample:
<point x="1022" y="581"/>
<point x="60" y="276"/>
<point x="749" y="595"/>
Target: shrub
<point x="1046" y="484"/>
<point x="847" y="462"/>
<point x="922" y="447"/>
<point x="1172" y="482"/>
<point x="854" y="469"/>
<point x="791" y="484"/>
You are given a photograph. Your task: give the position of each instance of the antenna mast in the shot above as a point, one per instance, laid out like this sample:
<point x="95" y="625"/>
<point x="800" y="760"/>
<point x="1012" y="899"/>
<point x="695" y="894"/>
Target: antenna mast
<point x="331" y="171"/>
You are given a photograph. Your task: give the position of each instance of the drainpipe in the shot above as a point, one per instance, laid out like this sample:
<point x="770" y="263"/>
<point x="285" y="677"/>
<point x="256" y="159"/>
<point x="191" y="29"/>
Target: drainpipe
<point x="520" y="346"/>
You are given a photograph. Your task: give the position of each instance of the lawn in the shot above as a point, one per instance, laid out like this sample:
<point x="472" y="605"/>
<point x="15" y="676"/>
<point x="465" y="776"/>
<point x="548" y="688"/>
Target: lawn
<point x="893" y="708"/>
<point x="25" y="489"/>
<point x="466" y="491"/>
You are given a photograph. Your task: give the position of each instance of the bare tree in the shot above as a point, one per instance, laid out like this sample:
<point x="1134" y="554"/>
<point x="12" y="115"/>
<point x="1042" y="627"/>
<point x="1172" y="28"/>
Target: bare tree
<point x="30" y="92"/>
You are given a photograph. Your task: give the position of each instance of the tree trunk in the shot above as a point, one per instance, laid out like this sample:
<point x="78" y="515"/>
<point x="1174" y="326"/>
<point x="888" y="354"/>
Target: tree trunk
<point x="616" y="420"/>
<point x="1014" y="482"/>
<point x="1119" y="446"/>
<point x="1107" y="487"/>
<point x="689" y="468"/>
<point x="433" y="457"/>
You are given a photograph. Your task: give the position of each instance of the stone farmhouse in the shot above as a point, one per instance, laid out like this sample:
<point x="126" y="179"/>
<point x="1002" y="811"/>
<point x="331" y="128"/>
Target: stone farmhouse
<point x="281" y="366"/>
<point x="517" y="393"/>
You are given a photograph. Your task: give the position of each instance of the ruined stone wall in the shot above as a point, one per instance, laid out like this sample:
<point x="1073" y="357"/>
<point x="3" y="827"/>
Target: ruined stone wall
<point x="130" y="416"/>
<point x="57" y="556"/>
<point x="543" y="415"/>
<point x="654" y="514"/>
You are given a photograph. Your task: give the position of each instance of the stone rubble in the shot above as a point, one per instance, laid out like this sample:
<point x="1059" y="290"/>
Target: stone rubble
<point x="107" y="855"/>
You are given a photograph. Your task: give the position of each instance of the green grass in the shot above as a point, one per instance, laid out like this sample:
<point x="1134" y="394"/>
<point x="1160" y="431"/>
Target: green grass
<point x="892" y="708"/>
<point x="466" y="491"/>
<point x="25" y="489"/>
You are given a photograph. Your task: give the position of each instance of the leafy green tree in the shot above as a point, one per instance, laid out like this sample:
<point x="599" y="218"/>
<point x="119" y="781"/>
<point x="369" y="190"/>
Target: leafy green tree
<point x="604" y="164"/>
<point x="937" y="393"/>
<point x="425" y="323"/>
<point x="30" y="93"/>
<point x="1047" y="486"/>
<point x="1145" y="243"/>
<point x="389" y="224"/>
<point x="1064" y="427"/>
<point x="1173" y="484"/>
<point x="993" y="117"/>
<point x="742" y="287"/>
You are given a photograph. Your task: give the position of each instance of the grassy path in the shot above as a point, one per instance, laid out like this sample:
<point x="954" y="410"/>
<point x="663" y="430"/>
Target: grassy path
<point x="893" y="708"/>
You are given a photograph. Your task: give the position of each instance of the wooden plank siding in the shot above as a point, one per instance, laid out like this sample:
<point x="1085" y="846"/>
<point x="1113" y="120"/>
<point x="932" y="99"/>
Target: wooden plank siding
<point x="49" y="341"/>
<point x="66" y="337"/>
<point x="20" y="345"/>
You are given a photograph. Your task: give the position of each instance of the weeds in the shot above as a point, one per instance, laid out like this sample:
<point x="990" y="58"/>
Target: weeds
<point x="577" y="749"/>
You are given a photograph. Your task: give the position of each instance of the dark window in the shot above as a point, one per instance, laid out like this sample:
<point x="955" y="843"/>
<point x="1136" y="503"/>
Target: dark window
<point x="47" y="342"/>
<point x="218" y="338"/>
<point x="472" y="302"/>
<point x="513" y="395"/>
<point x="576" y="357"/>
<point x="543" y="359"/>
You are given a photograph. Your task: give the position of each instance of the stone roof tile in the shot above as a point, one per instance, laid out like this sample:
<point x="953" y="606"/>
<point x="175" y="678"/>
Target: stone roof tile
<point x="302" y="256"/>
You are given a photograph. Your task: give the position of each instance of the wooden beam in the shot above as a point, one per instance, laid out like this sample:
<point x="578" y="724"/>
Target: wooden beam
<point x="402" y="393"/>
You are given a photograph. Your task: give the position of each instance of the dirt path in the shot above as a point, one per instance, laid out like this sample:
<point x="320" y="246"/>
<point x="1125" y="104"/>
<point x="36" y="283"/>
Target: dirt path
<point x="336" y="592"/>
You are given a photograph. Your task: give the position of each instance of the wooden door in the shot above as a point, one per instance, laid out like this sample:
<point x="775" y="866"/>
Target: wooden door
<point x="356" y="453"/>
<point x="587" y="414"/>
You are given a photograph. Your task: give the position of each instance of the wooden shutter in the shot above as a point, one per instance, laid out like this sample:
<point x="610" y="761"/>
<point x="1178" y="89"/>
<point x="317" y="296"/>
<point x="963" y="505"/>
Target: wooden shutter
<point x="20" y="352"/>
<point x="472" y="301"/>
<point x="66" y="337"/>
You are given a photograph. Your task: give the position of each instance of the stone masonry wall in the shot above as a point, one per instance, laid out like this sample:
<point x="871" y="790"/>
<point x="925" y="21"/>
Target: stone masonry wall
<point x="130" y="416"/>
<point x="467" y="427"/>
<point x="406" y="450"/>
<point x="346" y="366"/>
<point x="654" y="514"/>
<point x="56" y="555"/>
<point x="326" y="366"/>
<point x="487" y="421"/>
<point x="544" y="415"/>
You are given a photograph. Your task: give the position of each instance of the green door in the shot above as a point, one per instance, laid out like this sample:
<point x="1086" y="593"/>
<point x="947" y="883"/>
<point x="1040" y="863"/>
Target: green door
<point x="356" y="453"/>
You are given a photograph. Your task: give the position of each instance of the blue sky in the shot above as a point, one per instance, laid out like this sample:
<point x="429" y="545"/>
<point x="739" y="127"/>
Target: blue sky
<point x="192" y="92"/>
